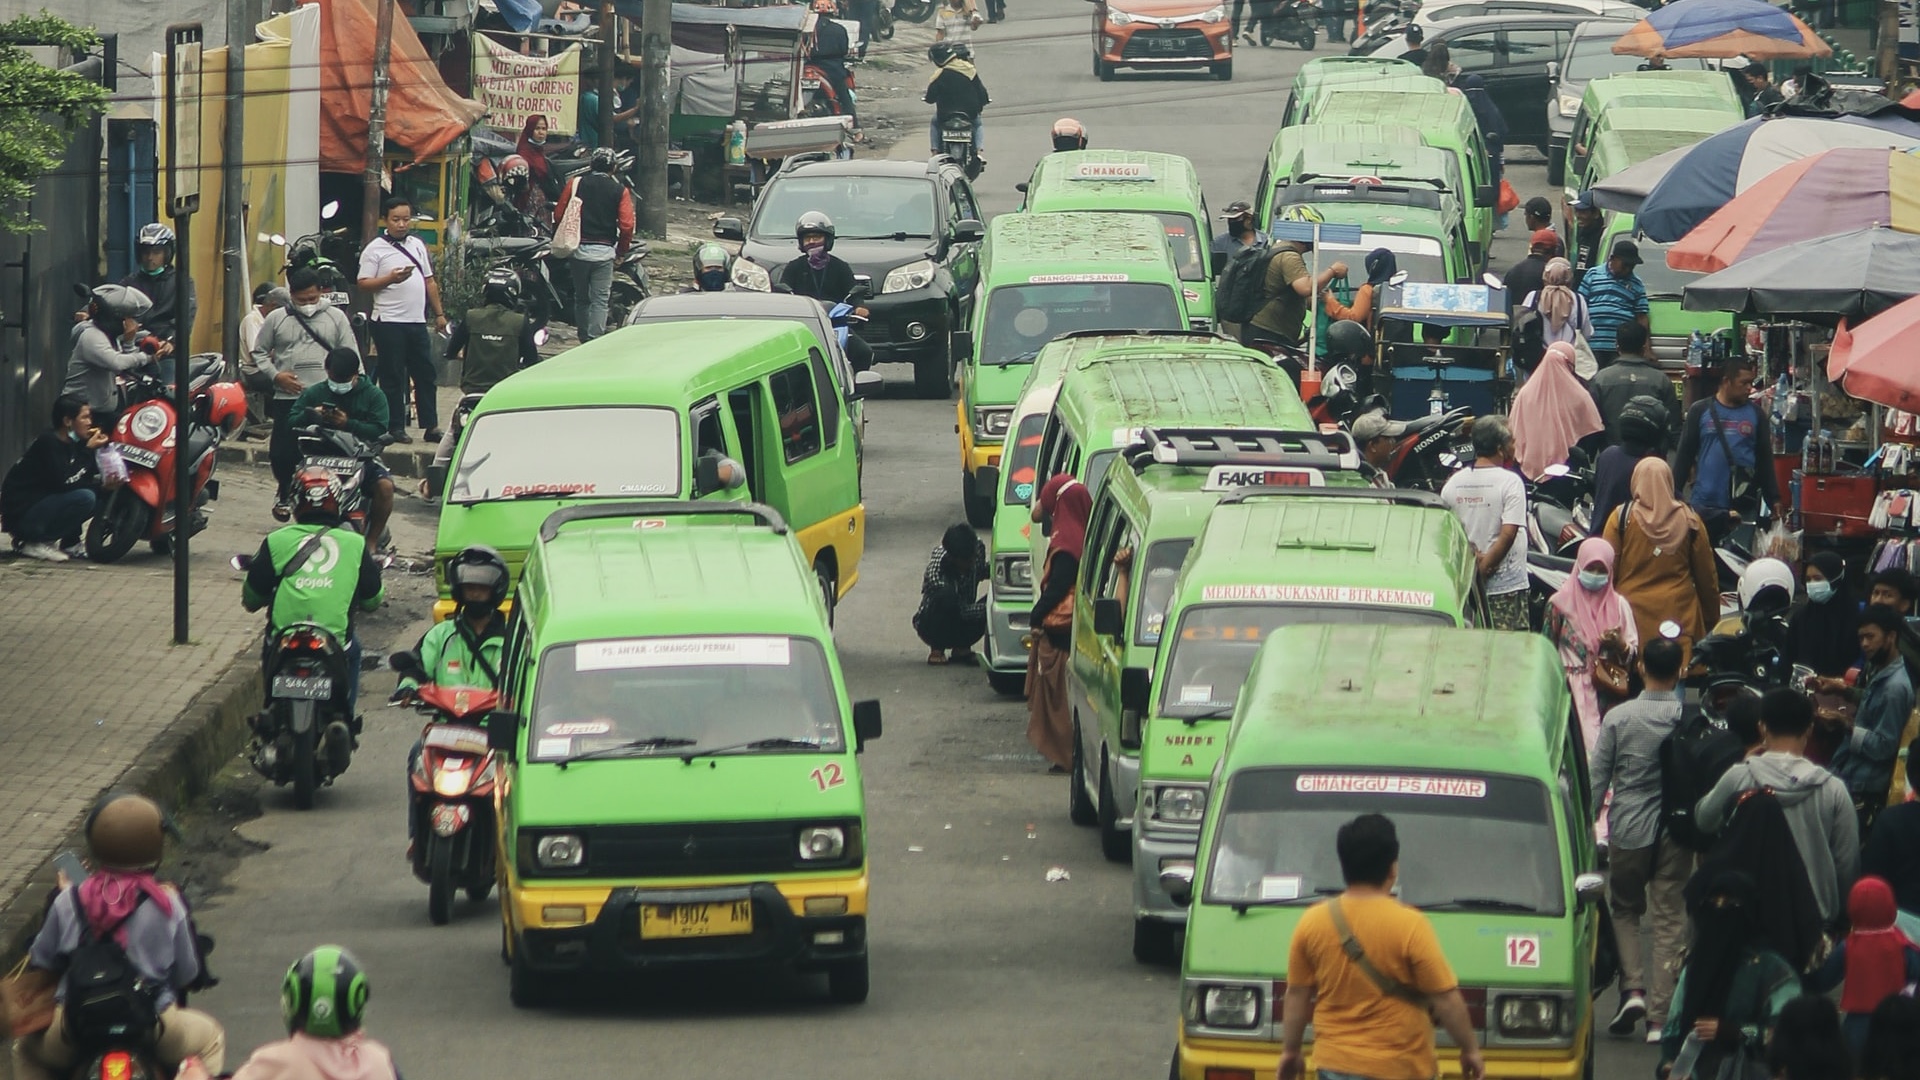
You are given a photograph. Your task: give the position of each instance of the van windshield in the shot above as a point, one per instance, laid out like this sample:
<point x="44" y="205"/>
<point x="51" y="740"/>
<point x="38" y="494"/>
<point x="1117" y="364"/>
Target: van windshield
<point x="1216" y="643"/>
<point x="1468" y="841"/>
<point x="1021" y="319"/>
<point x="1187" y="245"/>
<point x="574" y="453"/>
<point x="1592" y="57"/>
<point x="1663" y="282"/>
<point x="675" y="695"/>
<point x="1419" y="256"/>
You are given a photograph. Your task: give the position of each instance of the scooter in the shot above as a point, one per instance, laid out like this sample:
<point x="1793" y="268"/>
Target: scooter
<point x="1434" y="447"/>
<point x="1559" y="509"/>
<point x="956" y="142"/>
<point x="306" y="734"/>
<point x="348" y="457"/>
<point x="452" y="785"/>
<point x="822" y="97"/>
<point x="147" y="438"/>
<point x="546" y="283"/>
<point x="918" y="11"/>
<point x="1291" y="20"/>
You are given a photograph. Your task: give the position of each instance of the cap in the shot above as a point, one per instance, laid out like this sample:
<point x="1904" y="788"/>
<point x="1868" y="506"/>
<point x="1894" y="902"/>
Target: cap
<point x="1629" y="251"/>
<point x="1236" y="208"/>
<point x="1584" y="202"/>
<point x="1544" y="238"/>
<point x="1539" y="207"/>
<point x="1375" y="425"/>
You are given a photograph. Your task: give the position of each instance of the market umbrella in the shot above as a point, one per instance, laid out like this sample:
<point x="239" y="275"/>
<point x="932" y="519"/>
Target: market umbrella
<point x="1712" y="171"/>
<point x="1852" y="276"/>
<point x="1875" y="360"/>
<point x="1831" y="192"/>
<point x="1626" y="190"/>
<point x="1722" y="28"/>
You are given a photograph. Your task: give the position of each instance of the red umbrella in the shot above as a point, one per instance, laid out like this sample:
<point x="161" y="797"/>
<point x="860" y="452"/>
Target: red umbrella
<point x="1876" y="361"/>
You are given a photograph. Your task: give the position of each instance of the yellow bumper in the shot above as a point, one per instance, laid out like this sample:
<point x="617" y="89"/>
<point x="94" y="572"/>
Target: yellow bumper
<point x="560" y="907"/>
<point x="1231" y="1059"/>
<point x="846" y="534"/>
<point x="974" y="455"/>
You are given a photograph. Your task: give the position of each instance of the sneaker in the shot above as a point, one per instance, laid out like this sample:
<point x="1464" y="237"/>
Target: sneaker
<point x="1653" y="1032"/>
<point x="282" y="511"/>
<point x="399" y="437"/>
<point x="44" y="552"/>
<point x="1633" y="1009"/>
<point x="75" y="550"/>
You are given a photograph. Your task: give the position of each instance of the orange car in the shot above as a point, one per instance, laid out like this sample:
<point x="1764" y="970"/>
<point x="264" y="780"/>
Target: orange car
<point x="1162" y="34"/>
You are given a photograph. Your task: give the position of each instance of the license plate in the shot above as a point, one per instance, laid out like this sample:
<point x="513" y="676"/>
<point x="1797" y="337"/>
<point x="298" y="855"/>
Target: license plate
<point x="333" y="464"/>
<point x="308" y="687"/>
<point x="809" y="84"/>
<point x="138" y="455"/>
<point x="733" y="918"/>
<point x="456" y="737"/>
<point x="339" y="300"/>
<point x="1164" y="45"/>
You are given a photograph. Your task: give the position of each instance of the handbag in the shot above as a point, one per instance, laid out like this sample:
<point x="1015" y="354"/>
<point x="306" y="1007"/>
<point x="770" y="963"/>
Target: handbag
<point x="1585" y="364"/>
<point x="1509" y="198"/>
<point x="1609" y="670"/>
<point x="26" y="1000"/>
<point x="1060" y="619"/>
<point x="566" y="235"/>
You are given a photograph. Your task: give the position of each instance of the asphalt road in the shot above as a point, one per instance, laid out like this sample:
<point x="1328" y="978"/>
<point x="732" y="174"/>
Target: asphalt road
<point x="980" y="966"/>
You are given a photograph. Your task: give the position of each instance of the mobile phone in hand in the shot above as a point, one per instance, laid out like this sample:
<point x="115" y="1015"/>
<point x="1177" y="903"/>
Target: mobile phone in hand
<point x="69" y="865"/>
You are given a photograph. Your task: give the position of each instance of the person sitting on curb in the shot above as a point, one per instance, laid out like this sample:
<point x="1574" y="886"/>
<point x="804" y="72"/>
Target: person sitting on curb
<point x="51" y="492"/>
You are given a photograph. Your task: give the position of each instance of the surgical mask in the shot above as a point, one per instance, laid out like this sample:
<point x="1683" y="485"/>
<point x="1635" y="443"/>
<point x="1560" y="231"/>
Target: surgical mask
<point x="1819" y="591"/>
<point x="1593" y="580"/>
<point x="74" y="434"/>
<point x="340" y="387"/>
<point x="309" y="310"/>
<point x="537" y="140"/>
<point x="154" y="271"/>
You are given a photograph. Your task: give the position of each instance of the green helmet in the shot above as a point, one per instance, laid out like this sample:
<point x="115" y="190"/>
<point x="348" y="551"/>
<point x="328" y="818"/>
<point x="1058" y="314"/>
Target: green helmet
<point x="325" y="994"/>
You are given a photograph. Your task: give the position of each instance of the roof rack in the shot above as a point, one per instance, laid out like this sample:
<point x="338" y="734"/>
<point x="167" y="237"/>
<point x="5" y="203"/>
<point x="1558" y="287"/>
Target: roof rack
<point x="655" y="508"/>
<point x="1382" y="194"/>
<point x="1209" y="335"/>
<point x="1243" y="448"/>
<point x="1396" y="496"/>
<point x="794" y="161"/>
<point x="935" y="162"/>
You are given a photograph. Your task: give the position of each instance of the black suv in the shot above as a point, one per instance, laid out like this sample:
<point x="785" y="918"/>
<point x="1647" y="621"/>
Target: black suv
<point x="911" y="230"/>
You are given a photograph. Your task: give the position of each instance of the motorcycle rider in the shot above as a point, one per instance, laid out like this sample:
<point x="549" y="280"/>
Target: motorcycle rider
<point x="336" y="578"/>
<point x="157" y="277"/>
<point x="291" y="352"/>
<point x="493" y="341"/>
<point x="1069" y="134"/>
<point x="1377" y="436"/>
<point x="829" y="54"/>
<point x="824" y="276"/>
<point x="121" y="900"/>
<point x="323" y="1001"/>
<point x="349" y="401"/>
<point x="103" y="348"/>
<point x="464" y="650"/>
<point x="956" y="90"/>
<point x="712" y="269"/>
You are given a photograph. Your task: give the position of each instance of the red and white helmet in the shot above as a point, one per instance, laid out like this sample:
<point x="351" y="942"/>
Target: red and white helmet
<point x="227" y="406"/>
<point x="1069" y="134"/>
<point x="514" y="167"/>
<point x="316" y="492"/>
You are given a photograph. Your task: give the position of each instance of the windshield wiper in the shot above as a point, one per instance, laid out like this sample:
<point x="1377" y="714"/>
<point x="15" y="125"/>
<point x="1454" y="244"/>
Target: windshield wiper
<point x="1220" y="713"/>
<point x="1482" y="903"/>
<point x="657" y="742"/>
<point x="893" y="236"/>
<point x="1241" y="907"/>
<point x="1017" y="358"/>
<point x="777" y="742"/>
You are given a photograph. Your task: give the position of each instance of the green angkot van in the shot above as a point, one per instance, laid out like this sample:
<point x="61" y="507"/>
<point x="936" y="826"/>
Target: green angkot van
<point x="663" y="411"/>
<point x="1463" y="738"/>
<point x="1271" y="558"/>
<point x="1041" y="276"/>
<point x="1711" y="90"/>
<point x="1670" y="326"/>
<point x="653" y="811"/>
<point x="1323" y="72"/>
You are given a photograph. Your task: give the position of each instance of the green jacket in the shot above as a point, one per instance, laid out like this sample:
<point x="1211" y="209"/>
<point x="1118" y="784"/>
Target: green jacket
<point x="1761" y="988"/>
<point x="448" y="653"/>
<point x="339" y="576"/>
<point x="365" y="405"/>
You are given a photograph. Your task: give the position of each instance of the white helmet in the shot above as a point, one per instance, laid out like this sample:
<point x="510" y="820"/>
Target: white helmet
<point x="1769" y="582"/>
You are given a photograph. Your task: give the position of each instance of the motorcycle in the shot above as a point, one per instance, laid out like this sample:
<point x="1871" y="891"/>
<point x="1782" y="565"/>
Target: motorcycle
<point x="306" y="734"/>
<point x="1559" y="510"/>
<point x="1290" y="20"/>
<point x="452" y="785"/>
<point x="1433" y="449"/>
<point x="546" y="283"/>
<point x="347" y="456"/>
<point x="918" y="11"/>
<point x="146" y="438"/>
<point x="956" y="142"/>
<point x="822" y="97"/>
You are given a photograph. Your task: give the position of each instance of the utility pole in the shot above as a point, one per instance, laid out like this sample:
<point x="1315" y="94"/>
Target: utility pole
<point x="1887" y="47"/>
<point x="377" y="124"/>
<point x="607" y="45"/>
<point x="233" y="243"/>
<point x="656" y="49"/>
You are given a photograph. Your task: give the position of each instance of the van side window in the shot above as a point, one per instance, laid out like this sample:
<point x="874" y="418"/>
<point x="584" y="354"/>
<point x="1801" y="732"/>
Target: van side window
<point x="799" y="420"/>
<point x="512" y="658"/>
<point x="746" y="408"/>
<point x="828" y="394"/>
<point x="1114" y="578"/>
<point x="1057" y="453"/>
<point x="707" y="433"/>
<point x="1158" y="571"/>
<point x="1099" y="545"/>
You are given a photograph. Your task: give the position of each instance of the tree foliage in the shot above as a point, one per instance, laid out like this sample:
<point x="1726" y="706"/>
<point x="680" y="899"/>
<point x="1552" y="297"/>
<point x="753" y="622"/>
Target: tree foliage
<point x="40" y="107"/>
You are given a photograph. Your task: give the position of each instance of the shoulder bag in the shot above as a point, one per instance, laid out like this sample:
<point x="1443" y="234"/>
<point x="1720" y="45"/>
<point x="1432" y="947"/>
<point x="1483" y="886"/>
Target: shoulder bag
<point x="1740" y="485"/>
<point x="566" y="233"/>
<point x="1357" y="955"/>
<point x="419" y="269"/>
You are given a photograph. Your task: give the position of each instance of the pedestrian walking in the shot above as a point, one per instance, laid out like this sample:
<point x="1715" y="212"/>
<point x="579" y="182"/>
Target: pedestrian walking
<point x="48" y="495"/>
<point x="1615" y="296"/>
<point x="606" y="232"/>
<point x="1589" y="228"/>
<point x="1806" y="1043"/>
<point x="1817" y="807"/>
<point x="1633" y="374"/>
<point x="1525" y="277"/>
<point x="1551" y="413"/>
<point x="1646" y="872"/>
<point x="1892" y="1051"/>
<point x="1732" y="985"/>
<point x="1563" y="312"/>
<point x="1726" y="452"/>
<point x="1538" y="214"/>
<point x="1491" y="502"/>
<point x="1896" y="588"/>
<point x="1370" y="972"/>
<point x="544" y="188"/>
<point x="1665" y="566"/>
<point x="1643" y="433"/>
<point x="1439" y="63"/>
<point x="1492" y="123"/>
<point x="1061" y="509"/>
<point x="1241" y="233"/>
<point x="1869" y="741"/>
<point x="954" y="22"/>
<point x="951" y="616"/>
<point x="398" y="270"/>
<point x="1892" y="850"/>
<point x="1821" y="629"/>
<point x="1873" y="962"/>
<point x="290" y="354"/>
<point x="1592" y="626"/>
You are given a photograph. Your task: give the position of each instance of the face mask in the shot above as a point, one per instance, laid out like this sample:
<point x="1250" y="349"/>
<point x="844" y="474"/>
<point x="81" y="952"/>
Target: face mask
<point x="340" y="387"/>
<point x="74" y="434"/>
<point x="1819" y="591"/>
<point x="537" y="140"/>
<point x="154" y="271"/>
<point x="476" y="610"/>
<point x="308" y="310"/>
<point x="1593" y="580"/>
<point x="713" y="280"/>
<point x="817" y="257"/>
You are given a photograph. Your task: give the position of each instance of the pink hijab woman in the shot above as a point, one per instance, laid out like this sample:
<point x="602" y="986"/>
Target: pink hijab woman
<point x="1583" y="612"/>
<point x="1551" y="413"/>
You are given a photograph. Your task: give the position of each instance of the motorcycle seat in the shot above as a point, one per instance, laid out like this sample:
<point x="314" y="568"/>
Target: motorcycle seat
<point x="1549" y="562"/>
<point x="200" y="440"/>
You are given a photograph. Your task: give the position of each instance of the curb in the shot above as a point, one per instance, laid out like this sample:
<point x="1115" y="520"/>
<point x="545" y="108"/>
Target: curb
<point x="399" y="460"/>
<point x="174" y="769"/>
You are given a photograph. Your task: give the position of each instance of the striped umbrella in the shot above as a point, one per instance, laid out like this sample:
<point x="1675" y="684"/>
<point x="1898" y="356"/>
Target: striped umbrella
<point x="1833" y="191"/>
<point x="1722" y="28"/>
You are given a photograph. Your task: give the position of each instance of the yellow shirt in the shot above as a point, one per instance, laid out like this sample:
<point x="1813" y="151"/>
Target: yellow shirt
<point x="1356" y="1027"/>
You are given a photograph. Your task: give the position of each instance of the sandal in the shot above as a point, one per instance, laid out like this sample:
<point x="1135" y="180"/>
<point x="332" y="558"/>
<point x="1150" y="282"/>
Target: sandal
<point x="936" y="658"/>
<point x="966" y="656"/>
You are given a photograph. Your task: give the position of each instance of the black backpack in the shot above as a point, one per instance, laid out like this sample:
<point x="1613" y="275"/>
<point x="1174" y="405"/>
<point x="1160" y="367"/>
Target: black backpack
<point x="108" y="1001"/>
<point x="1692" y="758"/>
<point x="1758" y="841"/>
<point x="1529" y="337"/>
<point x="1243" y="284"/>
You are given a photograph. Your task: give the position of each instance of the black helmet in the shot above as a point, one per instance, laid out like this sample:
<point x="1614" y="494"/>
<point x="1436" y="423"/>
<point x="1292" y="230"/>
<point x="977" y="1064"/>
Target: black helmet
<point x="324" y="994"/>
<point x="813" y="221"/>
<point x="478" y="565"/>
<point x="602" y="159"/>
<point x="1349" y="339"/>
<point x="711" y="267"/>
<point x="1643" y="421"/>
<point x="503" y="286"/>
<point x="940" y="52"/>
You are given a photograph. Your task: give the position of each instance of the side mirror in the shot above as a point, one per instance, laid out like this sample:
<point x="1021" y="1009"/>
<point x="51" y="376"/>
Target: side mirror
<point x="503" y="732"/>
<point x="407" y="663"/>
<point x="328" y="211"/>
<point x="1178" y="883"/>
<point x="540" y="336"/>
<point x="729" y="228"/>
<point x="1136" y="686"/>
<point x="1553" y="71"/>
<point x="1485" y="195"/>
<point x="1108" y="617"/>
<point x="1219" y="263"/>
<point x="1021" y="187"/>
<point x="862" y="290"/>
<point x="1556" y="471"/>
<point x="866" y="723"/>
<point x="241" y="562"/>
<point x="968" y="231"/>
<point x="1589" y="888"/>
<point x="962" y="346"/>
<point x="865" y="385"/>
<point x="714" y="471"/>
<point x="1492" y="280"/>
<point x="1399" y="278"/>
<point x="359" y="320"/>
<point x="277" y="240"/>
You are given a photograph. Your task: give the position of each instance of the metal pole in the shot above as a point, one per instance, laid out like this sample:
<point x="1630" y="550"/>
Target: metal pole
<point x="1887" y="46"/>
<point x="608" y="20"/>
<point x="233" y="242"/>
<point x="1313" y="303"/>
<point x="376" y="123"/>
<point x="656" y="37"/>
<point x="182" y="418"/>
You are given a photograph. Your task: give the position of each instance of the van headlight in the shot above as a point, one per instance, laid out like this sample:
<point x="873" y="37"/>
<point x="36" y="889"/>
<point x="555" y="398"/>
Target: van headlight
<point x="991" y="423"/>
<point x="751" y="276"/>
<point x="1118" y="17"/>
<point x="1569" y="106"/>
<point x="1180" y="804"/>
<point x="1212" y="14"/>
<point x="915" y="275"/>
<point x="1531" y="1016"/>
<point x="822" y="842"/>
<point x="560" y="852"/>
<point x="1230" y="1006"/>
<point x="1013" y="571"/>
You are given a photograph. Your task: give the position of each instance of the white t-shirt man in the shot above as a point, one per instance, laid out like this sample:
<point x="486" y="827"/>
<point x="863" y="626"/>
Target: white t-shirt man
<point x="403" y="301"/>
<point x="1485" y="498"/>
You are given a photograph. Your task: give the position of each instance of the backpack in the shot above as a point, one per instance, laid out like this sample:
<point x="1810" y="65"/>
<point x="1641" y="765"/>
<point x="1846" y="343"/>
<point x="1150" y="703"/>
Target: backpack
<point x="1529" y="337"/>
<point x="107" y="999"/>
<point x="1758" y="841"/>
<point x="1692" y="757"/>
<point x="1243" y="284"/>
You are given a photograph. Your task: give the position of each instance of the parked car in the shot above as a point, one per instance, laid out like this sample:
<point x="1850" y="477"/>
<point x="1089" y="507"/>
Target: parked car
<point x="1589" y="56"/>
<point x="1161" y="34"/>
<point x="1440" y="11"/>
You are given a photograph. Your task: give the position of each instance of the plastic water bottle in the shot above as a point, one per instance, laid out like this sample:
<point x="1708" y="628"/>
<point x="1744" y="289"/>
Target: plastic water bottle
<point x="1696" y="346"/>
<point x="737" y="143"/>
<point x="1829" y="452"/>
<point x="1436" y="401"/>
<point x="1687" y="1058"/>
